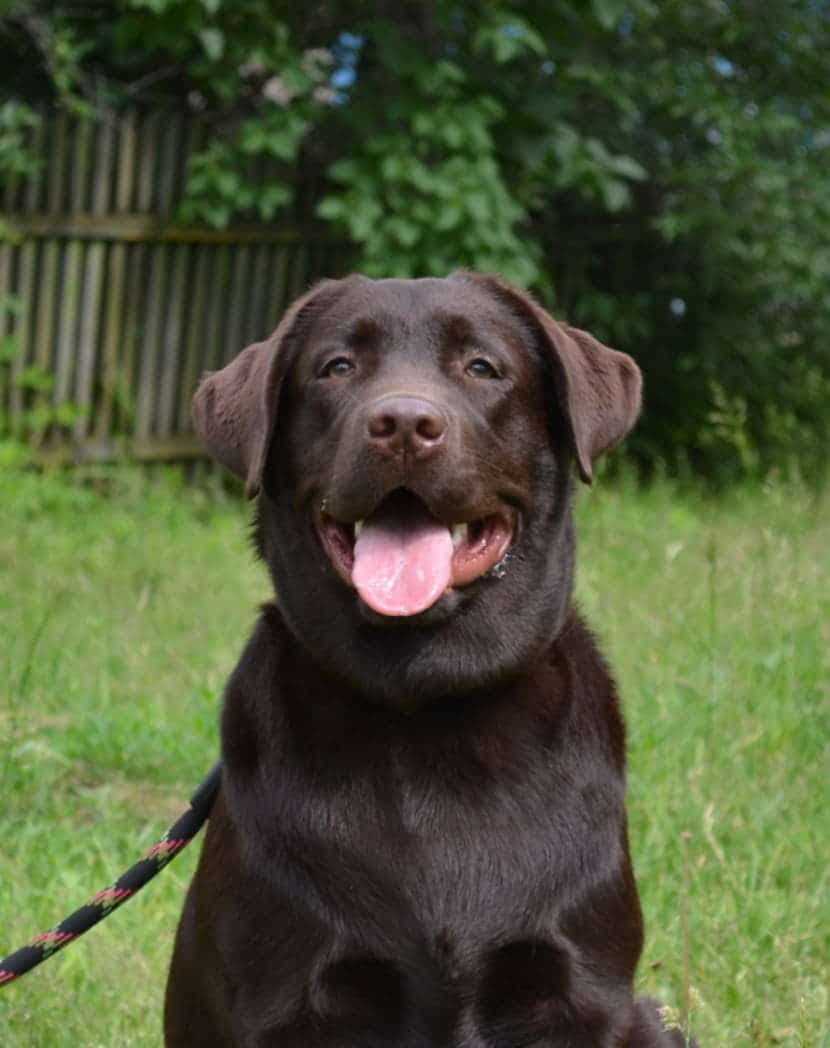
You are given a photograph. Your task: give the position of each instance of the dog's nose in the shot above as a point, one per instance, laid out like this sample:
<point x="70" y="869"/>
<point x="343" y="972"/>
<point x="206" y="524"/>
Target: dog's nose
<point x="408" y="424"/>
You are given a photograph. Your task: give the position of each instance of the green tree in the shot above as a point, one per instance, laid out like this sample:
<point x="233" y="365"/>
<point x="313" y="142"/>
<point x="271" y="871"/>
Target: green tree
<point x="657" y="172"/>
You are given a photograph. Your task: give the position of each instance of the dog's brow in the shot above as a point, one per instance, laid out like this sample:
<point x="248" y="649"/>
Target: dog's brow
<point x="456" y="327"/>
<point x="363" y="331"/>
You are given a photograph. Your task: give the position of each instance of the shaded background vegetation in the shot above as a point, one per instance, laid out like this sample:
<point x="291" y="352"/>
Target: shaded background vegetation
<point x="657" y="172"/>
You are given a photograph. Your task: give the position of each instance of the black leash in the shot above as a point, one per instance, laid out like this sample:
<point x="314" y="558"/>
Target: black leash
<point x="101" y="905"/>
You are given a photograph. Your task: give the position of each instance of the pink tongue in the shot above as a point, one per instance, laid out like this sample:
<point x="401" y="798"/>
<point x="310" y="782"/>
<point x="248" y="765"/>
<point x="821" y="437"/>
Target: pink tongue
<point x="402" y="560"/>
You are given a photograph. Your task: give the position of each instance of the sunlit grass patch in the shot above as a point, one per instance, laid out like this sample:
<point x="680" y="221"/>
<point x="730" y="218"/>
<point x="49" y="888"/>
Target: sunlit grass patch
<point x="123" y="608"/>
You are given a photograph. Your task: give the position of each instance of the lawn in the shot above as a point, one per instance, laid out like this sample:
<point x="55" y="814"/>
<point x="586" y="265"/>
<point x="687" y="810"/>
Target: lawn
<point x="124" y="604"/>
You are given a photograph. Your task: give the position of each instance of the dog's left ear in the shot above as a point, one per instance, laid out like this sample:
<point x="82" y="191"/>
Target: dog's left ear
<point x="600" y="388"/>
<point x="234" y="409"/>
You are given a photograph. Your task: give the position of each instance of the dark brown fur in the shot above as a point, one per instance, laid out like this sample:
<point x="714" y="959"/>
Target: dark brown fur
<point x="420" y="839"/>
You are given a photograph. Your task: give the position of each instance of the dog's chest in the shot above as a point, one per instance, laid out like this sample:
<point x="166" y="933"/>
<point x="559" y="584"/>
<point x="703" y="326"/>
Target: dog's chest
<point x="469" y="872"/>
<point x="477" y="855"/>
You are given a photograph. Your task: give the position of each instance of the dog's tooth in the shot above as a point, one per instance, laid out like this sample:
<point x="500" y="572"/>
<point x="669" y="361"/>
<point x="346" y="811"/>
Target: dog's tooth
<point x="358" y="527"/>
<point x="459" y="534"/>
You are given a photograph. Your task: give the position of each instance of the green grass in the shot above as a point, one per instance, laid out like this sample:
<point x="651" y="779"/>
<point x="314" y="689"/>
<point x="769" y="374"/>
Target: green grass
<point x="124" y="605"/>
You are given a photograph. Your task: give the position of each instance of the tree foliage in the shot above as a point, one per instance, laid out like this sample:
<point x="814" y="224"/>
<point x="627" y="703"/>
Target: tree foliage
<point x="658" y="172"/>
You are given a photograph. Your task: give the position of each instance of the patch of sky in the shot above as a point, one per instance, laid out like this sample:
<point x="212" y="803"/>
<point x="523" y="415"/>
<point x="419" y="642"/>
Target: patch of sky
<point x="723" y="66"/>
<point x="346" y="52"/>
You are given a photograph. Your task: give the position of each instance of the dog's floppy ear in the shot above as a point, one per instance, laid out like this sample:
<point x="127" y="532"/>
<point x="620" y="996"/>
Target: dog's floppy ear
<point x="234" y="409"/>
<point x="601" y="388"/>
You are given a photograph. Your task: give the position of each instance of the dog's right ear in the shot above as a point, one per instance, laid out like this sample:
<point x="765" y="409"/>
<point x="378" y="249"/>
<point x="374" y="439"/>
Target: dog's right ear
<point x="234" y="410"/>
<point x="600" y="389"/>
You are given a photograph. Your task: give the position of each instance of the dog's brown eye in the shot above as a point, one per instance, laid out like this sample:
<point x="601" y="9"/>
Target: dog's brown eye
<point x="481" y="368"/>
<point x="336" y="368"/>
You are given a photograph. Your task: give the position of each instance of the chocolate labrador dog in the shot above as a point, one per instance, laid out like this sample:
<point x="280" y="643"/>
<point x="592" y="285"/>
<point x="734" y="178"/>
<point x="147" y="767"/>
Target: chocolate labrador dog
<point x="420" y="838"/>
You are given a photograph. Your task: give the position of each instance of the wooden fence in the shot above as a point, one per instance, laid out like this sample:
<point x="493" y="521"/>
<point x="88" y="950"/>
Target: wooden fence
<point x="119" y="305"/>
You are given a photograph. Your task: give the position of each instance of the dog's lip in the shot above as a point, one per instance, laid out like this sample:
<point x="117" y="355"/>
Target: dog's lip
<point x="480" y="542"/>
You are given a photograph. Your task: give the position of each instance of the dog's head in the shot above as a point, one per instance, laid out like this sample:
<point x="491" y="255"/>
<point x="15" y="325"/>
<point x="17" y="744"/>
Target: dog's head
<point x="411" y="442"/>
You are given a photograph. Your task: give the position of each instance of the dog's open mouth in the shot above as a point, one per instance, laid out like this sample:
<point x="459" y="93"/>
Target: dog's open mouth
<point x="402" y="559"/>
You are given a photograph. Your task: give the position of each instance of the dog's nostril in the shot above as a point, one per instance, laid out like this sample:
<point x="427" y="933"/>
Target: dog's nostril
<point x="430" y="427"/>
<point x="382" y="425"/>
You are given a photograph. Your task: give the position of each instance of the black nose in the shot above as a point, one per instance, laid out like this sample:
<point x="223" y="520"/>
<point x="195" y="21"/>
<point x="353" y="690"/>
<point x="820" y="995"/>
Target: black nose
<point x="408" y="424"/>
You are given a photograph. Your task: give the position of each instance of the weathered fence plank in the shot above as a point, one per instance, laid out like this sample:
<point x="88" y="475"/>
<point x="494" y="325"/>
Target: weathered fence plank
<point x="172" y="340"/>
<point x="5" y="314"/>
<point x="91" y="298"/>
<point x="123" y="305"/>
<point x="111" y="340"/>
<point x="93" y="283"/>
<point x="194" y="338"/>
<point x="58" y="167"/>
<point x="150" y="344"/>
<point x="116" y="339"/>
<point x="68" y="321"/>
<point x="127" y="149"/>
<point x="215" y="352"/>
<point x="20" y="331"/>
<point x="47" y="304"/>
<point x="139" y="228"/>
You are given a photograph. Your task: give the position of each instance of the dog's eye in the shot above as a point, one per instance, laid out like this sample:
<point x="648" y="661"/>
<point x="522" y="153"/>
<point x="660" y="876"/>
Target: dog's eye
<point x="337" y="367"/>
<point x="481" y="368"/>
